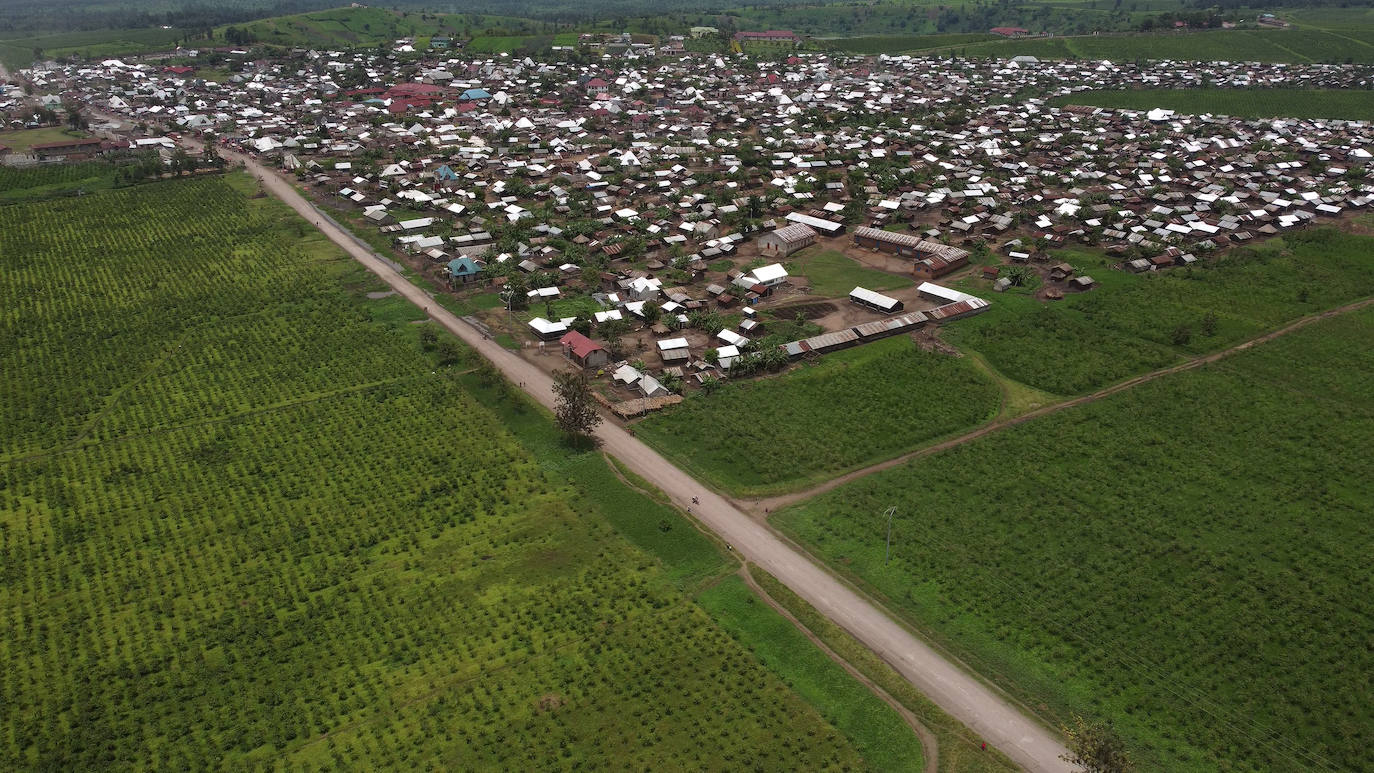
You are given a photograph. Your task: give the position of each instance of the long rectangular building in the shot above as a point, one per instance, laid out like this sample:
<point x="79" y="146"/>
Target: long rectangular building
<point x="930" y="259"/>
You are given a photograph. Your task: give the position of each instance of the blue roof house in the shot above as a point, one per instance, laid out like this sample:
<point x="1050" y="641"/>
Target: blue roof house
<point x="462" y="270"/>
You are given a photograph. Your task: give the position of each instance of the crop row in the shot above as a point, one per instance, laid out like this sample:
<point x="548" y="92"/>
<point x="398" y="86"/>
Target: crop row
<point x="1188" y="557"/>
<point x="845" y="410"/>
<point x="284" y="541"/>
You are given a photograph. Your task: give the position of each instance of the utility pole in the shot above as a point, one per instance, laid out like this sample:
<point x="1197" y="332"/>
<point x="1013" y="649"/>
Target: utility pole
<point x="891" y="511"/>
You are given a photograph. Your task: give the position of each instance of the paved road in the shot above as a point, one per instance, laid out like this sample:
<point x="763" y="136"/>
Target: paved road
<point x="974" y="703"/>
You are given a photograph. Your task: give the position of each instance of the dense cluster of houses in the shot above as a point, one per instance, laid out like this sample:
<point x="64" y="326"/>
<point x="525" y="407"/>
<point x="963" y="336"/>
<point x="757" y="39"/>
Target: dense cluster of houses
<point x="562" y="171"/>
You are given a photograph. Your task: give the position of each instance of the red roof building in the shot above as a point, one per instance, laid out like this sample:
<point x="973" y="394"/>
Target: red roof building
<point x="583" y="350"/>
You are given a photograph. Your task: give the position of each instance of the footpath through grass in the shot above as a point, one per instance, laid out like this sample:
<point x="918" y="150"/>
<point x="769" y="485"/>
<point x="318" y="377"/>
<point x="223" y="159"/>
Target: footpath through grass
<point x="881" y="736"/>
<point x="1239" y="103"/>
<point x="1189" y="558"/>
<point x="960" y="748"/>
<point x="1131" y="324"/>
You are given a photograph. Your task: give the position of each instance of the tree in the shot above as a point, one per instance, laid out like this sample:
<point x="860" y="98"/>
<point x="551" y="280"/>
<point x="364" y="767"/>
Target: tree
<point x="614" y="330"/>
<point x="651" y="312"/>
<point x="1182" y="335"/>
<point x="574" y="408"/>
<point x="181" y="162"/>
<point x="1209" y="324"/>
<point x="1096" y="748"/>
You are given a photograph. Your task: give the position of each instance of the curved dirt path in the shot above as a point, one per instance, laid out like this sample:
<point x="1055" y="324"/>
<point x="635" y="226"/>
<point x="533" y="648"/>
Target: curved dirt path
<point x="930" y="746"/>
<point x="983" y="709"/>
<point x="771" y="505"/>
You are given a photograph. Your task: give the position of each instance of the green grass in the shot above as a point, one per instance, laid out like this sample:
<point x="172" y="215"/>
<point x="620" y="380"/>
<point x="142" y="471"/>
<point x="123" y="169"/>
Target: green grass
<point x="367" y="27"/>
<point x="1239" y="103"/>
<point x="960" y="750"/>
<point x="1188" y="558"/>
<point x="1299" y="46"/>
<point x="20" y="141"/>
<point x="901" y="44"/>
<point x="247" y="521"/>
<point x="34" y="182"/>
<point x="880" y="735"/>
<point x="1126" y="326"/>
<point x="833" y="275"/>
<point x="17" y="50"/>
<point x="846" y="410"/>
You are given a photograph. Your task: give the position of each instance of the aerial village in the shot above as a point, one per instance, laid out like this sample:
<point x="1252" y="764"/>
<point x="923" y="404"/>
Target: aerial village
<point x="655" y="216"/>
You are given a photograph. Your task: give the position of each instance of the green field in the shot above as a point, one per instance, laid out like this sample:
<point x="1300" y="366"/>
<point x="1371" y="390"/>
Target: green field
<point x="18" y="51"/>
<point x="960" y="750"/>
<point x="18" y="183"/>
<point x="1189" y="558"/>
<point x="832" y="275"/>
<point x="247" y="522"/>
<point x="1299" y="46"/>
<point x="1127" y="325"/>
<point x="1239" y="103"/>
<point x="843" y="411"/>
<point x="885" y="741"/>
<point x="366" y="27"/>
<point x="21" y="140"/>
<point x="901" y="44"/>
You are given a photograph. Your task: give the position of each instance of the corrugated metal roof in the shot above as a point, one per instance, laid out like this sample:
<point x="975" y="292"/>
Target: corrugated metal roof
<point x="830" y="340"/>
<point x="873" y="299"/>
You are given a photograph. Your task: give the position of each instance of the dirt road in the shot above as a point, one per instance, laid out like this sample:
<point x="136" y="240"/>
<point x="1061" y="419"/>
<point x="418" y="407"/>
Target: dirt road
<point x="973" y="702"/>
<point x="774" y="504"/>
<point x="930" y="745"/>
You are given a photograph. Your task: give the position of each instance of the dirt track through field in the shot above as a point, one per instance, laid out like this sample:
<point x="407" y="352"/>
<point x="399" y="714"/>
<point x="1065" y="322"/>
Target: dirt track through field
<point x="986" y="711"/>
<point x="930" y="746"/>
<point x="773" y="504"/>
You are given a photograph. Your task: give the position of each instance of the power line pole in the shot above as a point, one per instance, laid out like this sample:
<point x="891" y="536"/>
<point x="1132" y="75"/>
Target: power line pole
<point x="891" y="511"/>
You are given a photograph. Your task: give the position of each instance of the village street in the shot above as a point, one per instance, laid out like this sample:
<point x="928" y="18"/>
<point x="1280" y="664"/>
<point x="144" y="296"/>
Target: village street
<point x="985" y="710"/>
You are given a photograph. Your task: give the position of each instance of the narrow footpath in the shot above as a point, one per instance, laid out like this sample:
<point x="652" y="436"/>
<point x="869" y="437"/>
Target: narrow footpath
<point x="770" y="505"/>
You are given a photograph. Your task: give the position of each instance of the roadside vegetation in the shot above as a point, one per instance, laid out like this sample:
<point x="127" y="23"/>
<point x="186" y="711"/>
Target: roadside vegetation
<point x="960" y="750"/>
<point x="273" y="521"/>
<point x="837" y="413"/>
<point x="1188" y="557"/>
<point x="879" y="733"/>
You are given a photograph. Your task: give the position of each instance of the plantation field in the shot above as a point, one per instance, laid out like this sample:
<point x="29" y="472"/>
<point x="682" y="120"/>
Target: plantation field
<point x="251" y="519"/>
<point x="846" y="410"/>
<point x="17" y="51"/>
<point x="1127" y="325"/>
<point x="900" y="44"/>
<point x="1239" y="103"/>
<point x="1188" y="558"/>
<point x="831" y="274"/>
<point x="1300" y="46"/>
<point x="20" y="183"/>
<point x="881" y="735"/>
